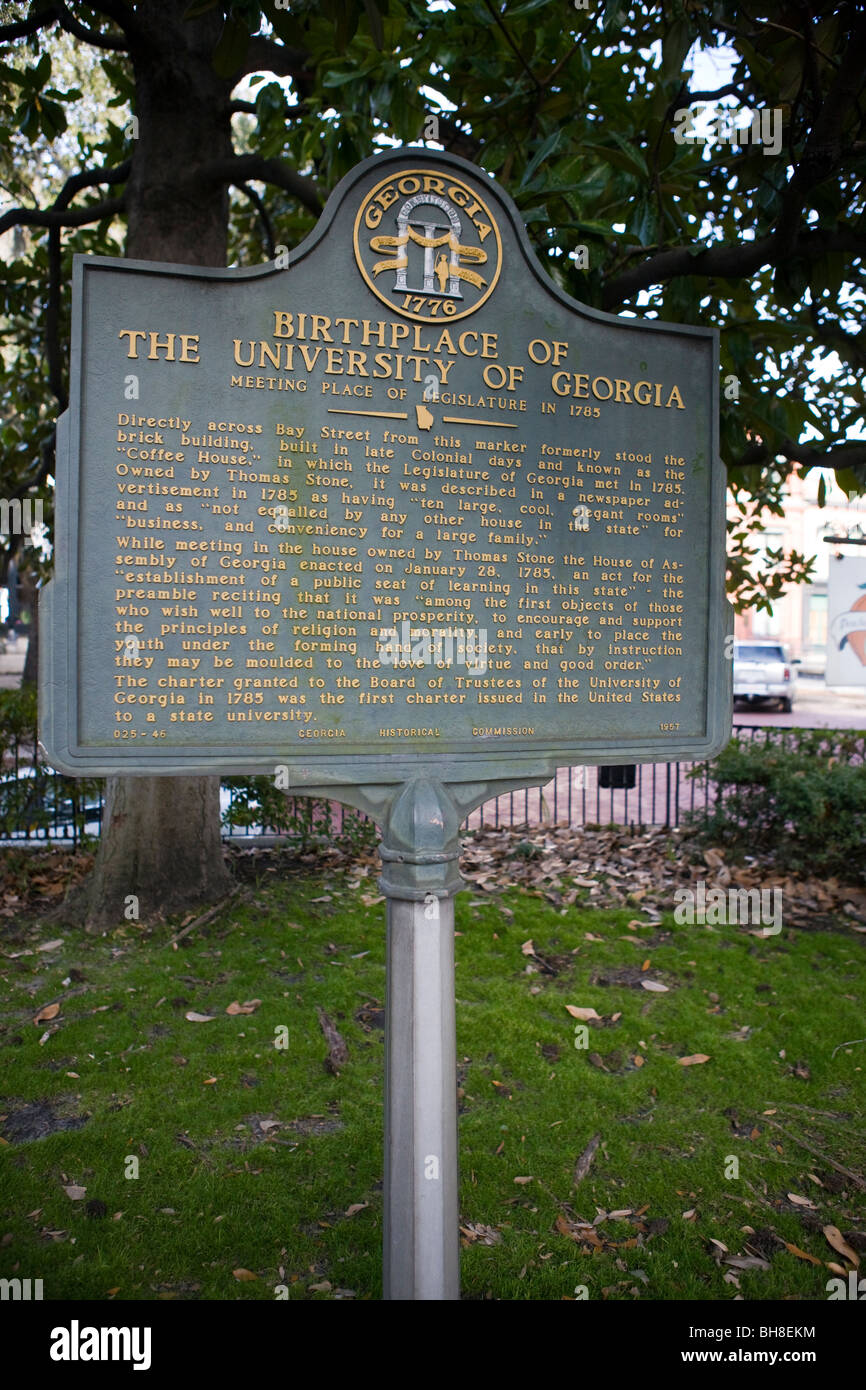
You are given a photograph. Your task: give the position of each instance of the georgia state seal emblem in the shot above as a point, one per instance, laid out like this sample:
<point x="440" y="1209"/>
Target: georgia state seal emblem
<point x="427" y="245"/>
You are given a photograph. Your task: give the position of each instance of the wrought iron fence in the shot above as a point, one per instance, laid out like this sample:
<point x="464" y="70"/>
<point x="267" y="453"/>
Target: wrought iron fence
<point x="39" y="804"/>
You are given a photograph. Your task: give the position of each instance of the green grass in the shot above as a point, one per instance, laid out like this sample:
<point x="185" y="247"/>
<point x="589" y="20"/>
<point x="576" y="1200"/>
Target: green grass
<point x="238" y="1199"/>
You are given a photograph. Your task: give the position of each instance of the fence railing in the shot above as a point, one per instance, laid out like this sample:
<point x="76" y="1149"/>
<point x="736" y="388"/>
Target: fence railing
<point x="39" y="804"/>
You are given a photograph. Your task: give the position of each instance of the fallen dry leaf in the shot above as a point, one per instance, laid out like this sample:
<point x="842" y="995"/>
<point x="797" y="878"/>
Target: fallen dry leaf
<point x="522" y="1181"/>
<point x="51" y="945"/>
<point x="193" y="1017"/>
<point x="584" y="1163"/>
<point x="801" y="1254"/>
<point x="338" y="1052"/>
<point x="800" y="1201"/>
<point x="244" y="1276"/>
<point x="249" y="1006"/>
<point x="528" y="948"/>
<point x="356" y="1207"/>
<point x="654" y="986"/>
<point x="583" y="1014"/>
<point x="45" y="1015"/>
<point x="75" y="1194"/>
<point x="838" y="1242"/>
<point x="484" y="1235"/>
<point x="696" y="1060"/>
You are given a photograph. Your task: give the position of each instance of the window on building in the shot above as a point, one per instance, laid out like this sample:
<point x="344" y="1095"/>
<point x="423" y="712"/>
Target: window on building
<point x="815" y="621"/>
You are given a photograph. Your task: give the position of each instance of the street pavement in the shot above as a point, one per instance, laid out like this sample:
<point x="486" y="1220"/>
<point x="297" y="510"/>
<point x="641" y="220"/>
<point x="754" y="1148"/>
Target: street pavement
<point x="816" y="706"/>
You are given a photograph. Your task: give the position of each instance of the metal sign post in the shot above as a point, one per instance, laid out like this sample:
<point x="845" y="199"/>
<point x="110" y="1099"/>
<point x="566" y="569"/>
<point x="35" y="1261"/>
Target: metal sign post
<point x="419" y="851"/>
<point x="419" y="879"/>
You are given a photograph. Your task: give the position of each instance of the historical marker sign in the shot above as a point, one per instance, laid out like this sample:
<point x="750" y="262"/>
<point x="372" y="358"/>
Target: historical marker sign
<point x="406" y="520"/>
<point x="402" y="501"/>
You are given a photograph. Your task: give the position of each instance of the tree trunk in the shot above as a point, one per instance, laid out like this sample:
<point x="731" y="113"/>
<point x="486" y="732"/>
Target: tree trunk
<point x="161" y="843"/>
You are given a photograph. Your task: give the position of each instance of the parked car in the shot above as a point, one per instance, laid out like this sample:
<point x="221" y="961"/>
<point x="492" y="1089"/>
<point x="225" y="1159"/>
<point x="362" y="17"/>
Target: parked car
<point x="764" y="671"/>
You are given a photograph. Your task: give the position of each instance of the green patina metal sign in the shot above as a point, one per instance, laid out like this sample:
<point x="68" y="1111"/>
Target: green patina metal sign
<point x="401" y="503"/>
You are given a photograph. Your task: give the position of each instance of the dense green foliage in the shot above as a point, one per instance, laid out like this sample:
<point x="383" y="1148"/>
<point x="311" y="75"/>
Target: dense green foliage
<point x="258" y="802"/>
<point x="804" y="802"/>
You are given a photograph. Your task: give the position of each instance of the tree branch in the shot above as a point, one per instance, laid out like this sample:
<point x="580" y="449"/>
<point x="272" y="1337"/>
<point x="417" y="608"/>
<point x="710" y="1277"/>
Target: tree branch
<point x="242" y="167"/>
<point x="848" y="345"/>
<point x="458" y="140"/>
<point x="118" y="10"/>
<point x="512" y="45"/>
<point x="267" y="225"/>
<point x="58" y="216"/>
<point x="237" y="107"/>
<point x="728" y="262"/>
<point x="71" y="217"/>
<point x="32" y="25"/>
<point x="80" y="31"/>
<point x="851" y="455"/>
<point x="732" y="89"/>
<point x="89" y="178"/>
<point x="53" y="14"/>
<point x="263" y="55"/>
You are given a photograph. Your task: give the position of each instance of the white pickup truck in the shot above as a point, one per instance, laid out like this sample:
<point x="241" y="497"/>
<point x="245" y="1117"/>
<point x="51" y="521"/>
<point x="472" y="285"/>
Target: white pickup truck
<point x="764" y="671"/>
